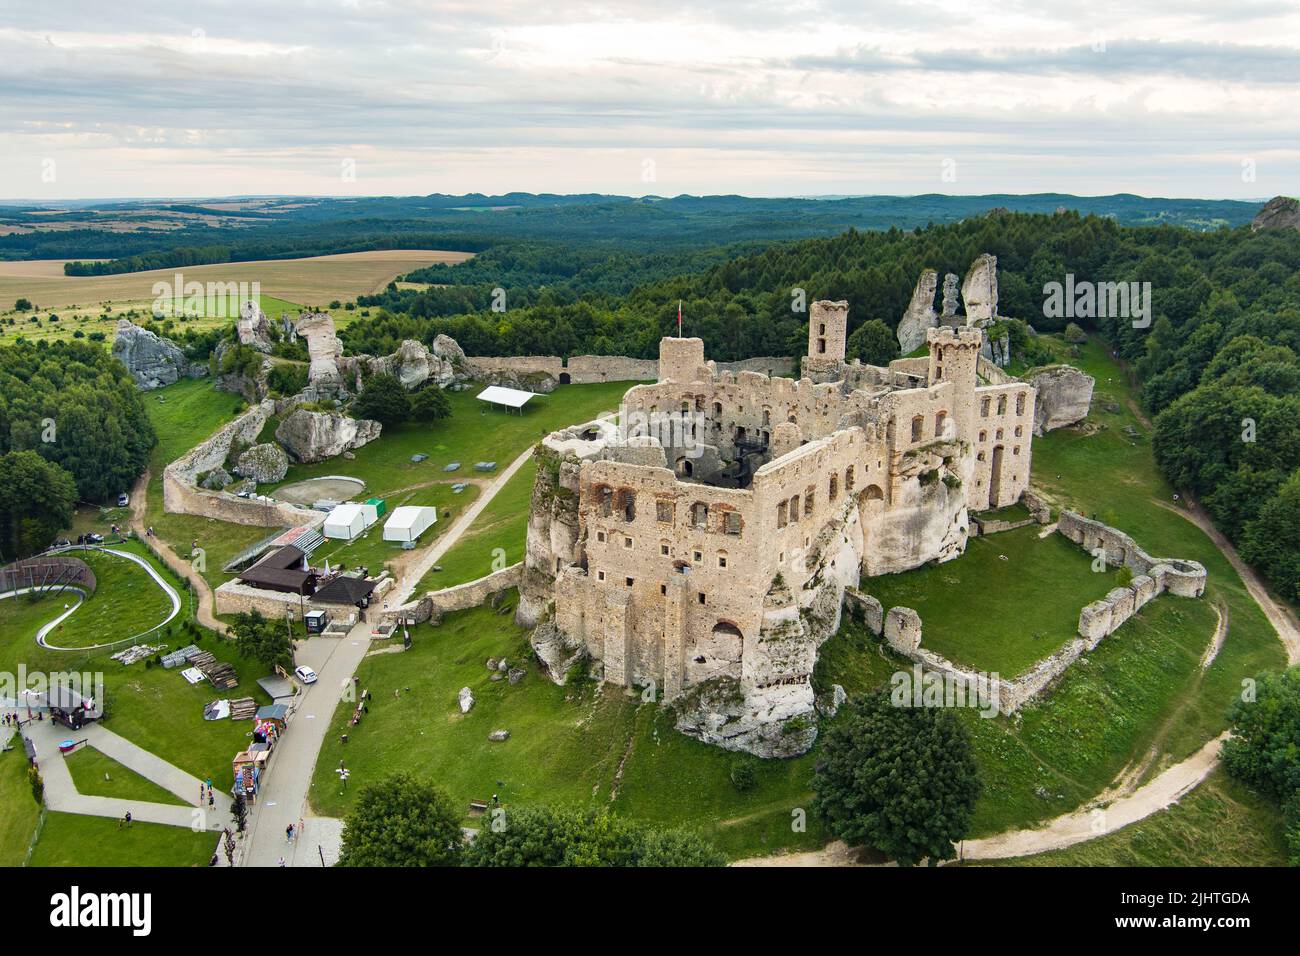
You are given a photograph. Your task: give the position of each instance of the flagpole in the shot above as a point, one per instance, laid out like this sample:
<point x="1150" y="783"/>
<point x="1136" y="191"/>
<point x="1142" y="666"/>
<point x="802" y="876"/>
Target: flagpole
<point x="679" y="318"/>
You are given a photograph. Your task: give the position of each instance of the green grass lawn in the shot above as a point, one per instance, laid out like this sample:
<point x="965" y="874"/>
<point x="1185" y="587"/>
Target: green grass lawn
<point x="70" y="839"/>
<point x="1220" y="823"/>
<point x="99" y="775"/>
<point x="473" y="433"/>
<point x="999" y="615"/>
<point x="596" y="747"/>
<point x="502" y="524"/>
<point x="126" y="602"/>
<point x="20" y="809"/>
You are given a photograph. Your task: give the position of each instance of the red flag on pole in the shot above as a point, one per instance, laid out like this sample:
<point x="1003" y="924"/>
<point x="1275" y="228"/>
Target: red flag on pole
<point x="679" y="318"/>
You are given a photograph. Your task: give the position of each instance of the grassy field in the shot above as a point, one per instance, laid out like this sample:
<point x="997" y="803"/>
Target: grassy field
<point x="126" y="602"/>
<point x="577" y="746"/>
<point x="502" y="524"/>
<point x="99" y="775"/>
<point x="964" y="603"/>
<point x="80" y="301"/>
<point x="18" y="820"/>
<point x="1220" y="823"/>
<point x="69" y="839"/>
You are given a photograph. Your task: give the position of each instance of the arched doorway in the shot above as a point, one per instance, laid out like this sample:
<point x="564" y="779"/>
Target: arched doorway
<point x="716" y="654"/>
<point x="564" y="378"/>
<point x="871" y="505"/>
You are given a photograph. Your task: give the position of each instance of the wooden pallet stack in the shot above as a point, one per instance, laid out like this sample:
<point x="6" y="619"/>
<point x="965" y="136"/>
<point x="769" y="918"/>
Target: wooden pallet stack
<point x="220" y="674"/>
<point x="243" y="708"/>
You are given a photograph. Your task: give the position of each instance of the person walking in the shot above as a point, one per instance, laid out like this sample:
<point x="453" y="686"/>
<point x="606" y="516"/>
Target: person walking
<point x="288" y="833"/>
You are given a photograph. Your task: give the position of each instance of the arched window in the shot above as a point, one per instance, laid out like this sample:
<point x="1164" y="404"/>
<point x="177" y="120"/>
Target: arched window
<point x="918" y="426"/>
<point x="1002" y="404"/>
<point x="1020" y="403"/>
<point x="984" y="408"/>
<point x="848" y="478"/>
<point x="834" y="490"/>
<point x="939" y="419"/>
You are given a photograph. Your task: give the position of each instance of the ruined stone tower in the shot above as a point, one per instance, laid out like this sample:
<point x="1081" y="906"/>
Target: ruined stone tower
<point x="827" y="330"/>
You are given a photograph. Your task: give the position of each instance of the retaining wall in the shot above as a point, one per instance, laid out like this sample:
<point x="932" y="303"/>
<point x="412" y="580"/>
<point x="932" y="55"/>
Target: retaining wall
<point x="459" y="597"/>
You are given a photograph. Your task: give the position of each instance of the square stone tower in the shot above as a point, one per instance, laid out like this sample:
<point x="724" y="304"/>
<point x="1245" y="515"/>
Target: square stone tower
<point x="827" y="331"/>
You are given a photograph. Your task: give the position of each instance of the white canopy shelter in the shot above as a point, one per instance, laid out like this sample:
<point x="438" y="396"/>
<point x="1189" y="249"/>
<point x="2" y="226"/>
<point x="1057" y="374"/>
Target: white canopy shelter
<point x="408" y="522"/>
<point x="509" y="398"/>
<point x="345" y="522"/>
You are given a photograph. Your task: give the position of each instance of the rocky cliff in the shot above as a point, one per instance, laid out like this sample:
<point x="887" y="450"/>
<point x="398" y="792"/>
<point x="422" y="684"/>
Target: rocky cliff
<point x="1064" y="396"/>
<point x="152" y="360"/>
<point x="1280" y="212"/>
<point x="315" y="436"/>
<point x="920" y="315"/>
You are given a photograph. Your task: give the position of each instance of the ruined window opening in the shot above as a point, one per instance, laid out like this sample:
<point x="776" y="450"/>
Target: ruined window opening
<point x="600" y="575"/>
<point x="663" y="589"/>
<point x="731" y="523"/>
<point x="1015" y="450"/>
<point x="700" y="515"/>
<point x="627" y="543"/>
<point x="701" y="597"/>
<point x="848" y="478"/>
<point x="1002" y="405"/>
<point x="1019" y="431"/>
<point x="697" y="556"/>
<point x="984" y="408"/>
<point x="984" y="436"/>
<point x="767" y="417"/>
<point x="663" y="549"/>
<point x="794" y="507"/>
<point x="808" y="502"/>
<point x="684" y="467"/>
<point x="600" y="536"/>
<point x="939" y="419"/>
<point x="629" y="581"/>
<point x="980" y="456"/>
<point x="834" y="491"/>
<point x="918" y="425"/>
<point x="700" y="659"/>
<point x="699" y="403"/>
<point x="717" y="409"/>
<point x="780" y="514"/>
<point x="938" y="371"/>
<point x="998" y="434"/>
<point x="722" y="560"/>
<point x="665" y="511"/>
<point x="626" y="504"/>
<point x="605" y="499"/>
<point x="1020" y="403"/>
<point x="821" y="328"/>
<point x="821" y="346"/>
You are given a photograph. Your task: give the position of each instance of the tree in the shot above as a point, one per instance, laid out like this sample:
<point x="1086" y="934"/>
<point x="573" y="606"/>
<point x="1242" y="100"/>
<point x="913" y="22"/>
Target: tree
<point x="430" y="404"/>
<point x="36" y="502"/>
<point x="384" y="400"/>
<point x="901" y="779"/>
<point x="1264" y="749"/>
<point x="873" y="343"/>
<point x="1270" y="540"/>
<point x="546" y="836"/>
<point x="24" y="305"/>
<point x="265" y="641"/>
<point x="401" y="821"/>
<point x="239" y="812"/>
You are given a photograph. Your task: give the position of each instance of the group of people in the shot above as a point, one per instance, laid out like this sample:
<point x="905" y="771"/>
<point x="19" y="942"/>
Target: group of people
<point x="205" y="792"/>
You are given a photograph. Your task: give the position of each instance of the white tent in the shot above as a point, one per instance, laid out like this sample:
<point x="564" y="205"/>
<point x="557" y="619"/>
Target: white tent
<point x="408" y="522"/>
<point x="345" y="522"/>
<point x="514" y="398"/>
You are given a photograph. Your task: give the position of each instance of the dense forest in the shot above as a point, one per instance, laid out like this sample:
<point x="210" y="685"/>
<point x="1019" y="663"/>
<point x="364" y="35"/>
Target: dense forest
<point x="72" y="428"/>
<point x="1217" y="366"/>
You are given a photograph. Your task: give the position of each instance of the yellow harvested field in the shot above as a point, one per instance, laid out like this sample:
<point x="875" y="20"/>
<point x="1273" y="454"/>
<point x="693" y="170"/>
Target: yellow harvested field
<point x="314" y="281"/>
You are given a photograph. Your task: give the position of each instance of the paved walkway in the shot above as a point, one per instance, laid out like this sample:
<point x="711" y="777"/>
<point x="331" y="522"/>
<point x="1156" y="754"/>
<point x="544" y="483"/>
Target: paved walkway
<point x="62" y="796"/>
<point x="283" y="799"/>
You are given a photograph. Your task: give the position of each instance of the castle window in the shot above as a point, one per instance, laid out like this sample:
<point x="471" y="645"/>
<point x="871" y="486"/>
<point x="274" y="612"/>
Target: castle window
<point x="697" y="557"/>
<point x="1019" y="431"/>
<point x="938" y="371"/>
<point x="821" y="346"/>
<point x="663" y="549"/>
<point x="1015" y="450"/>
<point x="600" y="575"/>
<point x="629" y="581"/>
<point x="780" y="514"/>
<point x="700" y="515"/>
<point x="605" y="499"/>
<point x="808" y="501"/>
<point x="722" y="559"/>
<point x="848" y="478"/>
<point x="701" y="597"/>
<point x="918" y="425"/>
<point x="731" y="523"/>
<point x="1002" y="405"/>
<point x="998" y="434"/>
<point x="821" y="328"/>
<point x="980" y="456"/>
<point x="939" y="419"/>
<point x="794" y="507"/>
<point x="834" y="491"/>
<point x="699" y="403"/>
<point x="665" y="511"/>
<point x="1020" y="403"/>
<point x="717" y="409"/>
<point x="600" y="536"/>
<point x="663" y="589"/>
<point x="626" y="504"/>
<point x="984" y="408"/>
<point x="627" y="543"/>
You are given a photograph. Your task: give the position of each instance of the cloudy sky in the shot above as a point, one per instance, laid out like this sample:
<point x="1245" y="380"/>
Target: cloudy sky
<point x="795" y="97"/>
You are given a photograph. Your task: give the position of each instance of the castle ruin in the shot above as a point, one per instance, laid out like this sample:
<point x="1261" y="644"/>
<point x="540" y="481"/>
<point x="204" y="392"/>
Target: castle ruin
<point x="700" y="547"/>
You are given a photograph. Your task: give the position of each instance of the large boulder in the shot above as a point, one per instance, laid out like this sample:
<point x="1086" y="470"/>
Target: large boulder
<point x="316" y="436"/>
<point x="920" y="316"/>
<point x="152" y="360"/>
<point x="264" y="463"/>
<point x="1280" y="212"/>
<point x="324" y="350"/>
<point x="414" y="365"/>
<point x="979" y="291"/>
<point x="1064" y="395"/>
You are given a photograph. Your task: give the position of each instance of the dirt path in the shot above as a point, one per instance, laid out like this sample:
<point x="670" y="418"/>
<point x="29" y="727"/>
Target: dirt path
<point x="1279" y="615"/>
<point x="203" y="592"/>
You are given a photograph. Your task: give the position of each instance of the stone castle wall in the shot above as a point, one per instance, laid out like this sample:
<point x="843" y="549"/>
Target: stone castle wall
<point x="591" y="369"/>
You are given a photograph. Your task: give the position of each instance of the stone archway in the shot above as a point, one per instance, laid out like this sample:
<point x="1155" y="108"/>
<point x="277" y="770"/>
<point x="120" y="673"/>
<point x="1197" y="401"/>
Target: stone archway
<point x="871" y="505"/>
<point x="716" y="654"/>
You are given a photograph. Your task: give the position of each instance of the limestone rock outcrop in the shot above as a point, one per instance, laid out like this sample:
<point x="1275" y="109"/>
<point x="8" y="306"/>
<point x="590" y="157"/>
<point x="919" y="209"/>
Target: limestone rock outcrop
<point x="315" y="436"/>
<point x="950" y="304"/>
<point x="979" y="291"/>
<point x="415" y="365"/>
<point x="1064" y="396"/>
<point x="920" y="315"/>
<point x="152" y="360"/>
<point x="264" y="463"/>
<point x="253" y="328"/>
<point x="324" y="350"/>
<point x="1280" y="212"/>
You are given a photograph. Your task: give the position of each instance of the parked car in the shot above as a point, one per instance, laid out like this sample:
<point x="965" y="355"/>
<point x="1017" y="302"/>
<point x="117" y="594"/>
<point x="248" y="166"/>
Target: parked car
<point x="123" y="500"/>
<point x="305" y="674"/>
<point x="94" y="537"/>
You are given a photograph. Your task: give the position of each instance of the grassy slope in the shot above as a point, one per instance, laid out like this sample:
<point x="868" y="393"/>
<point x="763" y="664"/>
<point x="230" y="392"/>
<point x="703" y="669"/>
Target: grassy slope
<point x="99" y="775"/>
<point x="963" y="604"/>
<point x="566" y="746"/>
<point x="68" y="839"/>
<point x="18" y="819"/>
<point x="126" y="602"/>
<point x="502" y="524"/>
<point x="1220" y="823"/>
